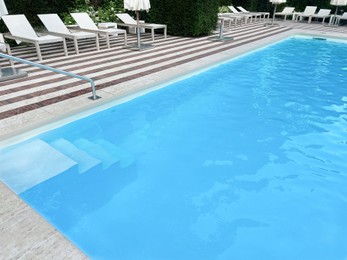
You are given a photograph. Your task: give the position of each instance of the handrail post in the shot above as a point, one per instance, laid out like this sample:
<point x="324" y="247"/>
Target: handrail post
<point x="41" y="66"/>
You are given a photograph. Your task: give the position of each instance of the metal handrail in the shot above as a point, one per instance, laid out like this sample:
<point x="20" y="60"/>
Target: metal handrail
<point x="94" y="97"/>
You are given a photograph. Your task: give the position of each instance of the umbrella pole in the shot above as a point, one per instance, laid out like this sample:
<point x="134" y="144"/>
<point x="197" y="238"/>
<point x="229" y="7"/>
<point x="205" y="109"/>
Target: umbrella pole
<point x="273" y="16"/>
<point x="138" y="29"/>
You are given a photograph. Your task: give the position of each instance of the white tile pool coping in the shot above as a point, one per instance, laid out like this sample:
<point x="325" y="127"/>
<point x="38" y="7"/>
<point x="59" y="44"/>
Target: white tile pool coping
<point x="24" y="233"/>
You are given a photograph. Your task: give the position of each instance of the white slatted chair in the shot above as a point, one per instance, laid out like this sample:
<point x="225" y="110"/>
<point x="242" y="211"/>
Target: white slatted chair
<point x="287" y="11"/>
<point x="264" y="15"/>
<point x="338" y="18"/>
<point x="308" y="12"/>
<point x="21" y="30"/>
<point x="131" y="23"/>
<point x="246" y="17"/>
<point x="322" y="14"/>
<point x="56" y="26"/>
<point x="86" y="24"/>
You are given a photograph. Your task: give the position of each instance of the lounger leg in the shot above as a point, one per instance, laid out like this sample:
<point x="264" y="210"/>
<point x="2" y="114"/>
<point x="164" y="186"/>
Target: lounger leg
<point x="152" y="34"/>
<point x="76" y="45"/>
<point x="97" y="42"/>
<point x="165" y="31"/>
<point x="65" y="47"/>
<point x="38" y="51"/>
<point x="108" y="40"/>
<point x="8" y="49"/>
<point x="125" y="38"/>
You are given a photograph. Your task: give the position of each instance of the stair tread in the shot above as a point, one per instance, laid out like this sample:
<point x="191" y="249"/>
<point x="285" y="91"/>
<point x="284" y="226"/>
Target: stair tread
<point x="85" y="161"/>
<point x="97" y="151"/>
<point x="35" y="162"/>
<point x="124" y="156"/>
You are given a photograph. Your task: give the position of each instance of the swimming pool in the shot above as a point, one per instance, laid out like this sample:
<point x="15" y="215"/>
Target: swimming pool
<point x="243" y="161"/>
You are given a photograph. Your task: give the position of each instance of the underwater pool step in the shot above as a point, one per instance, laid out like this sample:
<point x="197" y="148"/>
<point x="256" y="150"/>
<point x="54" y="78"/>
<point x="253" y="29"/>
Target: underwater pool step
<point x="97" y="151"/>
<point x="125" y="158"/>
<point x="21" y="172"/>
<point x="84" y="160"/>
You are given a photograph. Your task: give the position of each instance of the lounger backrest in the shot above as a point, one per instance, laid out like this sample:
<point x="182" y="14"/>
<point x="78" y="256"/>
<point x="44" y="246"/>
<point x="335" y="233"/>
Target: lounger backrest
<point x="126" y="18"/>
<point x="84" y="21"/>
<point x="324" y="12"/>
<point x="53" y="23"/>
<point x="233" y="9"/>
<point x="288" y="10"/>
<point x="18" y="25"/>
<point x="242" y="9"/>
<point x="310" y="10"/>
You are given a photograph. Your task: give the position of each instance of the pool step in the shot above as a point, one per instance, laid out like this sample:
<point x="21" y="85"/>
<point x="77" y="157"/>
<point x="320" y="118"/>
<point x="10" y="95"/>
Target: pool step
<point x="125" y="158"/>
<point x="84" y="160"/>
<point x="97" y="151"/>
<point x="32" y="163"/>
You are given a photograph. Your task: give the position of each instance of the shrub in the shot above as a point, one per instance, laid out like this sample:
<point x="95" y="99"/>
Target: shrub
<point x="185" y="17"/>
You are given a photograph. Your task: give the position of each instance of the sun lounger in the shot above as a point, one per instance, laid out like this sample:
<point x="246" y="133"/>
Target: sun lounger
<point x="131" y="23"/>
<point x="21" y="30"/>
<point x="230" y="17"/>
<point x="287" y="11"/>
<point x="56" y="26"/>
<point x="322" y="14"/>
<point x="236" y="12"/>
<point x="86" y="24"/>
<point x="264" y="15"/>
<point x="308" y="12"/>
<point x="338" y="18"/>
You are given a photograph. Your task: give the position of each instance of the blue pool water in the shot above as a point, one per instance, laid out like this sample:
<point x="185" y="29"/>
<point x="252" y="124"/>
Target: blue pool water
<point x="247" y="160"/>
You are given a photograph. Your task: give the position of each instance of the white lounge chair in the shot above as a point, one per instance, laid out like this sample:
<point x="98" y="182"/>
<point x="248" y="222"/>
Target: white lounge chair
<point x="56" y="26"/>
<point x="86" y="24"/>
<point x="287" y="11"/>
<point x="308" y="12"/>
<point x="21" y="30"/>
<point x="322" y="14"/>
<point x="131" y="23"/>
<point x="230" y="17"/>
<point x="236" y="12"/>
<point x="264" y="15"/>
<point x="338" y="18"/>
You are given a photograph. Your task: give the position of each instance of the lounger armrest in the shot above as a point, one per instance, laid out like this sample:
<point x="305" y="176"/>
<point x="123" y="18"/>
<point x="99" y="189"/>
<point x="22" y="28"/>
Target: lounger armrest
<point x="91" y="31"/>
<point x="127" y="24"/>
<point x="19" y="38"/>
<point x="63" y="35"/>
<point x="143" y="25"/>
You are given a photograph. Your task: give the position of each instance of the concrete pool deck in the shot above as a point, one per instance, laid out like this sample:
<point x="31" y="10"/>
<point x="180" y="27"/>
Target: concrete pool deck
<point x="43" y="98"/>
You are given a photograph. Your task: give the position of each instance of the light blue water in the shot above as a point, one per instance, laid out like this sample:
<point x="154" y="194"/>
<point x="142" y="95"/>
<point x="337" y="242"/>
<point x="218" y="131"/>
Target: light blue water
<point x="245" y="161"/>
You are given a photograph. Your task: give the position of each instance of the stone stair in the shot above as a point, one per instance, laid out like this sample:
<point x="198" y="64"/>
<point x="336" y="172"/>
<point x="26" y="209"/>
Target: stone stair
<point x="27" y="165"/>
<point x="34" y="162"/>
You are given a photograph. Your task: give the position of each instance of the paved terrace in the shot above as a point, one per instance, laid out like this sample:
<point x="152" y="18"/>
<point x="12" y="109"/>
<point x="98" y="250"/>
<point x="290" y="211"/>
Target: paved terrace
<point x="45" y="97"/>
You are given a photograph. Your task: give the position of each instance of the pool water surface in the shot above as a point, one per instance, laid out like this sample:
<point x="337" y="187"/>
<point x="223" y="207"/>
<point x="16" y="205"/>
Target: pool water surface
<point x="246" y="160"/>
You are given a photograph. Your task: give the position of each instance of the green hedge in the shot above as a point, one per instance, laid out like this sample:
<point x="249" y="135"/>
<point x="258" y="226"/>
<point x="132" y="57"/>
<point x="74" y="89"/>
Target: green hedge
<point x="265" y="5"/>
<point x="185" y="17"/>
<point x="33" y="7"/>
